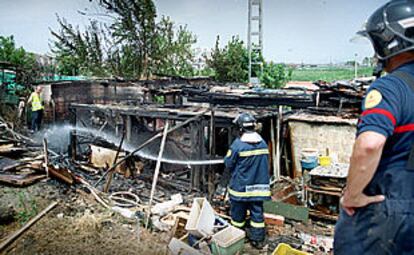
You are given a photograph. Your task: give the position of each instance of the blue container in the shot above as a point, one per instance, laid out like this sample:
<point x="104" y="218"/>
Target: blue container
<point x="310" y="163"/>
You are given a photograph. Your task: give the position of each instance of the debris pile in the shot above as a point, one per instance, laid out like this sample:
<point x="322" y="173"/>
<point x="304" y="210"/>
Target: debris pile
<point x="104" y="156"/>
<point x="342" y="98"/>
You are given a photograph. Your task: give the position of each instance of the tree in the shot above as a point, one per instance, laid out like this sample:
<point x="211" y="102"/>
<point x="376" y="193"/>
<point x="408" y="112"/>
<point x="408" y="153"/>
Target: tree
<point x="173" y="49"/>
<point x="275" y="75"/>
<point x="230" y="64"/>
<point x="133" y="30"/>
<point x="17" y="56"/>
<point x="132" y="45"/>
<point x="23" y="60"/>
<point x="368" y="61"/>
<point x="79" y="52"/>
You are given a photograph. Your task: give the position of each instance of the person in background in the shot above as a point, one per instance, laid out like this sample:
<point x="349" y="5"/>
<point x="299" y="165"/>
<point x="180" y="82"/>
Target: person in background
<point x="248" y="163"/>
<point x="36" y="101"/>
<point x="20" y="109"/>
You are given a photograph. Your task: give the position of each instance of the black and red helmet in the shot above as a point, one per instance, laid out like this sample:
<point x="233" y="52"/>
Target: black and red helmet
<point x="391" y="29"/>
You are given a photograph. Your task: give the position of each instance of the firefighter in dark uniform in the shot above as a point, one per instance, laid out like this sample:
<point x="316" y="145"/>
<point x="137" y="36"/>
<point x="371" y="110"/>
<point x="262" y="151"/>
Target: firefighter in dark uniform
<point x="247" y="160"/>
<point x="377" y="215"/>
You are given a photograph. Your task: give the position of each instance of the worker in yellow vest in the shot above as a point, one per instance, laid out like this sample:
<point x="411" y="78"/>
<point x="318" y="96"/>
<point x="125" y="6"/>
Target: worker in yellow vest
<point x="36" y="101"/>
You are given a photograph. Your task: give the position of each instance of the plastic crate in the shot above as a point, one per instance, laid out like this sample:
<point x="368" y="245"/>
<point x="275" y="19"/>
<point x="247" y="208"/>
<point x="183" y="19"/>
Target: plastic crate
<point x="285" y="249"/>
<point x="228" y="241"/>
<point x="201" y="218"/>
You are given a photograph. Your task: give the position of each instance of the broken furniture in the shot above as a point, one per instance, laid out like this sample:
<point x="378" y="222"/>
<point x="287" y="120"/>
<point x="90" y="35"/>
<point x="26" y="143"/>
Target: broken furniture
<point x="325" y="189"/>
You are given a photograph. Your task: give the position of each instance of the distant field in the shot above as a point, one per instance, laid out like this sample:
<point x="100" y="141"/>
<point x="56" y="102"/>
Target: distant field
<point x="329" y="74"/>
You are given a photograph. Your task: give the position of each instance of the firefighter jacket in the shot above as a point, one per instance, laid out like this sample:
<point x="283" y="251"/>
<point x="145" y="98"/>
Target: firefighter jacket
<point x="249" y="166"/>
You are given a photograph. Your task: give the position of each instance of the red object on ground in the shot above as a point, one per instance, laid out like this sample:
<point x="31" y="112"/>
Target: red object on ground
<point x="274" y="220"/>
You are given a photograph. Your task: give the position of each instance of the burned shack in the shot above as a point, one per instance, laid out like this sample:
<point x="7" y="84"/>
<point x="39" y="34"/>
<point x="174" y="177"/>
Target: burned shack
<point x="292" y="119"/>
<point x="108" y="136"/>
<point x="198" y="145"/>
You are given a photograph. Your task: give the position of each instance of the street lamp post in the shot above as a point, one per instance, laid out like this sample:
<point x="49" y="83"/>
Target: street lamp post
<point x="356" y="65"/>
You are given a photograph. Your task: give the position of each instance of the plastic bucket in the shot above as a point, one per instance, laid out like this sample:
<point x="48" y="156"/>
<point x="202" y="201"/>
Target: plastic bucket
<point x="324" y="160"/>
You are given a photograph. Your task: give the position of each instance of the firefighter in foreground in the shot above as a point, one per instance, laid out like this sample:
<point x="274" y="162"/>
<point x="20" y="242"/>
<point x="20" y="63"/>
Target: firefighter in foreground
<point x="247" y="160"/>
<point x="36" y="101"/>
<point x="377" y="215"/>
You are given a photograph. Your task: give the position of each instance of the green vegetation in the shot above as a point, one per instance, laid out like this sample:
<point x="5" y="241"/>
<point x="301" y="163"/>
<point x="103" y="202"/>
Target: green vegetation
<point x="132" y="45"/>
<point x="329" y="74"/>
<point x="27" y="208"/>
<point x="231" y="64"/>
<point x="275" y="75"/>
<point x="22" y="60"/>
<point x="9" y="52"/>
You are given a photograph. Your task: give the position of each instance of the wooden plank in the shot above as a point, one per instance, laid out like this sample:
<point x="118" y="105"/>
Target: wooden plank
<point x="293" y="212"/>
<point x="46" y="157"/>
<point x="295" y="172"/>
<point x="7" y="164"/>
<point x="102" y="157"/>
<point x="332" y="193"/>
<point x="110" y="176"/>
<point x="26" y="226"/>
<point x="321" y="215"/>
<point x="157" y="170"/>
<point x="21" y="180"/>
<point x="278" y="141"/>
<point x="273" y="151"/>
<point x="212" y="152"/>
<point x="61" y="174"/>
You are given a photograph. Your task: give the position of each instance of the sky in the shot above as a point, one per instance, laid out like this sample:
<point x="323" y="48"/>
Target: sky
<point x="294" y="31"/>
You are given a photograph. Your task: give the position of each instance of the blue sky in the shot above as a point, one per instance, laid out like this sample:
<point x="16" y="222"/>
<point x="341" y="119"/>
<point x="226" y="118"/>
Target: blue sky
<point x="310" y="31"/>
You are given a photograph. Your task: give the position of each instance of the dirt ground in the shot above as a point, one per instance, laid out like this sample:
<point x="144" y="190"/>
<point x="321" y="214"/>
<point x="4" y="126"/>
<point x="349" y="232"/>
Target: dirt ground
<point x="79" y="225"/>
<point x="76" y="226"/>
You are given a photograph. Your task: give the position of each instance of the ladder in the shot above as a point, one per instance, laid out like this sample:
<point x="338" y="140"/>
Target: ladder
<point x="255" y="38"/>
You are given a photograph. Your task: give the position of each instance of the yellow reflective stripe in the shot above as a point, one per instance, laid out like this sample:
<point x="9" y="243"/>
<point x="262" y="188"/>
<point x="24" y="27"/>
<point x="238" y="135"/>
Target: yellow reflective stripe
<point x="257" y="224"/>
<point x="249" y="194"/>
<point x="253" y="153"/>
<point x="238" y="224"/>
<point x="228" y="153"/>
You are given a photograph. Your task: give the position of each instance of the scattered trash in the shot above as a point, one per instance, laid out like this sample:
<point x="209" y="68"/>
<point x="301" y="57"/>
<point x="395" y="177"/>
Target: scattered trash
<point x="285" y="249"/>
<point x="272" y="219"/>
<point x="164" y="208"/>
<point x="228" y="241"/>
<point x="319" y="242"/>
<point x="201" y="219"/>
<point x="178" y="247"/>
<point x="127" y="213"/>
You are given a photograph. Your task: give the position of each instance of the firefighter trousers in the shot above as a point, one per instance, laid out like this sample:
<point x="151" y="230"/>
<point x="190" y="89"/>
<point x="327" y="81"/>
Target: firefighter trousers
<point x="238" y="212"/>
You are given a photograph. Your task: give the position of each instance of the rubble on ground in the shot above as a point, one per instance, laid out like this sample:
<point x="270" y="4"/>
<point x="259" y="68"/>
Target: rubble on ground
<point x="98" y="167"/>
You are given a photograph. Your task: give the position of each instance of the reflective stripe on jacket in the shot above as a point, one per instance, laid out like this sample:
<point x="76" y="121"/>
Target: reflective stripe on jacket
<point x="36" y="102"/>
<point x="249" y="166"/>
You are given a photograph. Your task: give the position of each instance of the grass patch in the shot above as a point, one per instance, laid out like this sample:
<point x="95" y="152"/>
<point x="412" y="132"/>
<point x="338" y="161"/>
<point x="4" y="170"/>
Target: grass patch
<point x="27" y="209"/>
<point x="329" y="74"/>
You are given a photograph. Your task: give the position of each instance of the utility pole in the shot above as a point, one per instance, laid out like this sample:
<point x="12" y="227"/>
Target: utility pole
<point x="356" y="66"/>
<point x="255" y="38"/>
